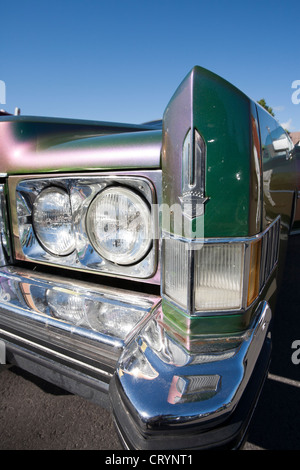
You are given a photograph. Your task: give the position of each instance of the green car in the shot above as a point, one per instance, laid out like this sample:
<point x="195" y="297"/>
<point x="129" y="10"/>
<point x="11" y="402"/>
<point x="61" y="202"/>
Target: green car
<point x="140" y="263"/>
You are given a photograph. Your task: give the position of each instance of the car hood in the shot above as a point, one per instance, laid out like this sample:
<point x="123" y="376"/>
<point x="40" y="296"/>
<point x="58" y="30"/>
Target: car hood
<point x="38" y="144"/>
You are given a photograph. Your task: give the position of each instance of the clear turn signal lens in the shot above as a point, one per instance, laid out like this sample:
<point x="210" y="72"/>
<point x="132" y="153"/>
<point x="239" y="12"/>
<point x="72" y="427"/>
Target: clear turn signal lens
<point x="214" y="270"/>
<point x="219" y="277"/>
<point x="210" y="275"/>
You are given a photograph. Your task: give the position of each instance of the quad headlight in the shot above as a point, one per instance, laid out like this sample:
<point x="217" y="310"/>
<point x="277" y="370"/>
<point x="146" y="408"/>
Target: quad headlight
<point x="105" y="224"/>
<point x="119" y="225"/>
<point x="52" y="221"/>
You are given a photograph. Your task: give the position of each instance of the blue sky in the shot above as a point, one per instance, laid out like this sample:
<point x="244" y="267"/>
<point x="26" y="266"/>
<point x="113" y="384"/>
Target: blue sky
<point x="121" y="60"/>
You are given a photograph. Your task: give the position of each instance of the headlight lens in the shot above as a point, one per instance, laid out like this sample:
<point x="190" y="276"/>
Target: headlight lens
<point x="118" y="225"/>
<point x="52" y="221"/>
<point x="105" y="239"/>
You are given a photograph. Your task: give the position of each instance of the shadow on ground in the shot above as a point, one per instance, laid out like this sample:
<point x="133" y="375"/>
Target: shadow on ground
<point x="275" y="424"/>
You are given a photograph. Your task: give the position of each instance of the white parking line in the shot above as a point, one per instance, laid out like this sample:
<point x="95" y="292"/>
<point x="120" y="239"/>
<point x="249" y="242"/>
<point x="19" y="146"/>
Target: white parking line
<point x="294" y="383"/>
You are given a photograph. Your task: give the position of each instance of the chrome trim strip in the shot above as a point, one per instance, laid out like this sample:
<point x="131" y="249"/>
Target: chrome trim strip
<point x="193" y="175"/>
<point x="5" y="248"/>
<point x="43" y="349"/>
<point x="193" y="241"/>
<point x="83" y="382"/>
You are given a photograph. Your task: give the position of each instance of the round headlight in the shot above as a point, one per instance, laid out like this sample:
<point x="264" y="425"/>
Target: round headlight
<point x="52" y="221"/>
<point x="118" y="225"/>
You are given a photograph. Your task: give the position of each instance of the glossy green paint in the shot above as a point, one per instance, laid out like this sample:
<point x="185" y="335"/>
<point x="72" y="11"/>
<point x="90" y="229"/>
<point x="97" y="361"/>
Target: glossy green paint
<point x="248" y="183"/>
<point x="204" y="101"/>
<point x="221" y="114"/>
<point x="213" y="325"/>
<point x="48" y="131"/>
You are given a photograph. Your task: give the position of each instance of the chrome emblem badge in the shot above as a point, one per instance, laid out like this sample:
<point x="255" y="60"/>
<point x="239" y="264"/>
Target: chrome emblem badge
<point x="193" y="196"/>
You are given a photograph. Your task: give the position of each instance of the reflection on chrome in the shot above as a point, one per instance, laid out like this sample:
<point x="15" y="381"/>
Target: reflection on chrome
<point x="4" y="230"/>
<point x="135" y="363"/>
<point x="192" y="388"/>
<point x="77" y="307"/>
<point x="157" y="344"/>
<point x="192" y="385"/>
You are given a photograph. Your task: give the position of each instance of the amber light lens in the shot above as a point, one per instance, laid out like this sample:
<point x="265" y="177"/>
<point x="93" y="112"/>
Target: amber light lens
<point x="254" y="270"/>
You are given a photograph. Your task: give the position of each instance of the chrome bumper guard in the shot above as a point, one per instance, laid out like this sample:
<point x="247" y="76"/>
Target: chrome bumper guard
<point x="165" y="397"/>
<point x="163" y="394"/>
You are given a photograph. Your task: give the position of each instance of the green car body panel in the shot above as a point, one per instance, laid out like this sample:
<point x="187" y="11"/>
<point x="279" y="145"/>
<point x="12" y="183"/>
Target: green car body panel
<point x="221" y="114"/>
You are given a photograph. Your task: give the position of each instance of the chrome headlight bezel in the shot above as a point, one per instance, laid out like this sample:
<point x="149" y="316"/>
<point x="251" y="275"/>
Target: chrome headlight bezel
<point x="82" y="190"/>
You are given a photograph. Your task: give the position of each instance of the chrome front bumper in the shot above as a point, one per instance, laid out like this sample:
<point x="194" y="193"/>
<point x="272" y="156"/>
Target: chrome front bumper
<point x="67" y="354"/>
<point x="163" y="394"/>
<point x="197" y="399"/>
